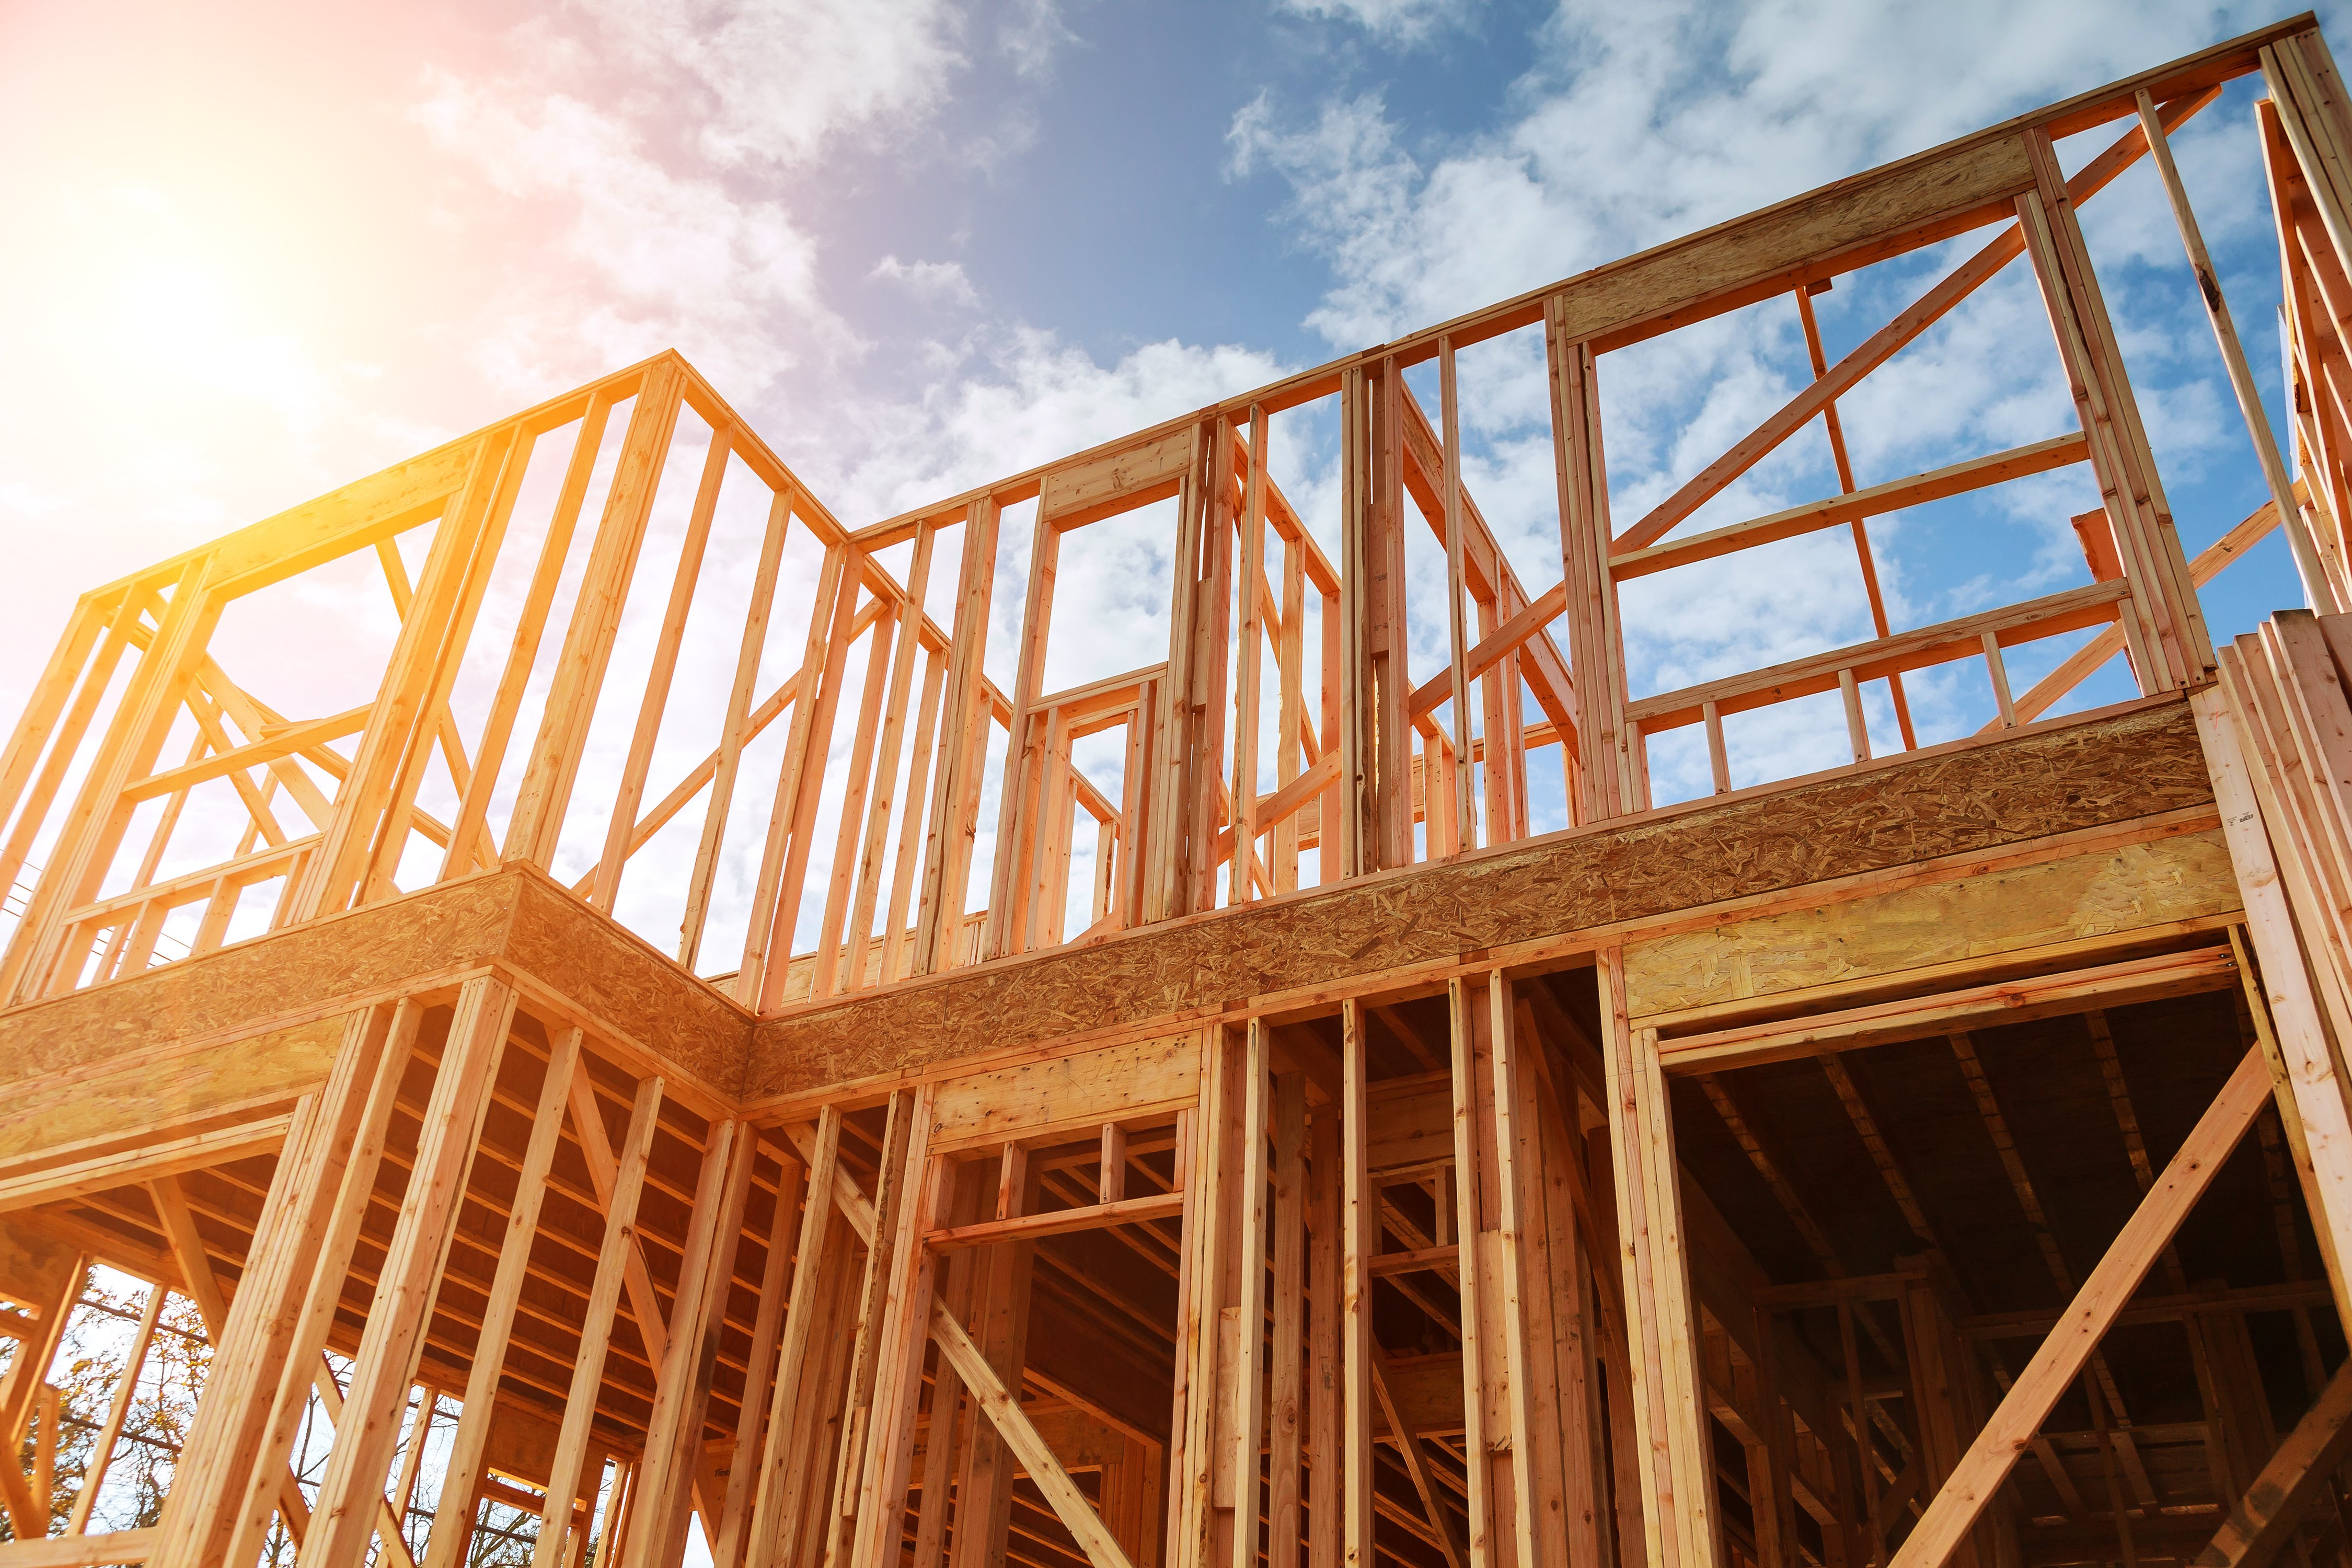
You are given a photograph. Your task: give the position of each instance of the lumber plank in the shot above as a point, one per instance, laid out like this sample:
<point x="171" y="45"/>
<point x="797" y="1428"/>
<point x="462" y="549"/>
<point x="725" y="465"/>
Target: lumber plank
<point x="1058" y="1222"/>
<point x="1957" y="479"/>
<point x="464" y="1468"/>
<point x="2069" y="609"/>
<point x="785" y="1457"/>
<point x="344" y="1524"/>
<point x="301" y="1264"/>
<point x="171" y="1157"/>
<point x="2010" y="1000"/>
<point x="1359" y="1239"/>
<point x="753" y="1430"/>
<point x="123" y="1546"/>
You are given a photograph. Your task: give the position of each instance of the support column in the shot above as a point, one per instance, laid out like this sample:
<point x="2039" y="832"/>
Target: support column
<point x="1001" y="1276"/>
<point x="1611" y="779"/>
<point x="1201" y="1520"/>
<point x="1942" y="1392"/>
<point x="23" y="1389"/>
<point x="955" y="805"/>
<point x="1326" y="1372"/>
<point x="463" y="1471"/>
<point x="753" y="1430"/>
<point x="1359" y="1237"/>
<point x="1671" y="1439"/>
<point x="880" y="1498"/>
<point x="545" y="793"/>
<point x="789" y="1453"/>
<point x="86" y="839"/>
<point x="1287" y="1407"/>
<point x="698" y="1309"/>
<point x="571" y="1441"/>
<point x="2286" y="1002"/>
<point x="1200" y="758"/>
<point x="2164" y="600"/>
<point x="1534" y="1311"/>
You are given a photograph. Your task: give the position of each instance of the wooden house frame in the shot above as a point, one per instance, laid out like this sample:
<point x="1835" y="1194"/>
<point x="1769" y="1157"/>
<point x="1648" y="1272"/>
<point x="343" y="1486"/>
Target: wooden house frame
<point x="1833" y="1172"/>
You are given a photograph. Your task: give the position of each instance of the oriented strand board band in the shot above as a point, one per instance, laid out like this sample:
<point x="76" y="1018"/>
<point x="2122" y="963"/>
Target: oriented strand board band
<point x="109" y="1038"/>
<point x="2139" y="763"/>
<point x="613" y="975"/>
<point x="370" y="952"/>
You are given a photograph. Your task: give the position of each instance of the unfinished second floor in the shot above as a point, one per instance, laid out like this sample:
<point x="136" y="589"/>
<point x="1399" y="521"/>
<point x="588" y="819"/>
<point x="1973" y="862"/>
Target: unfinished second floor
<point x="1313" y="633"/>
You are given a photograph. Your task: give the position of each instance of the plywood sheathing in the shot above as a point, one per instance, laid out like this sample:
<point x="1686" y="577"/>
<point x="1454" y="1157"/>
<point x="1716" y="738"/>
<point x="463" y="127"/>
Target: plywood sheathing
<point x="2142" y="763"/>
<point x="316" y="970"/>
<point x="2183" y="879"/>
<point x="134" y="1099"/>
<point x="621" y="987"/>
<point x="568" y="962"/>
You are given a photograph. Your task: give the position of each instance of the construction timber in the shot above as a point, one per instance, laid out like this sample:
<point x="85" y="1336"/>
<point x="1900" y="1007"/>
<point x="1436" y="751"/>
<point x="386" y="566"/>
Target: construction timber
<point x="1944" y="1158"/>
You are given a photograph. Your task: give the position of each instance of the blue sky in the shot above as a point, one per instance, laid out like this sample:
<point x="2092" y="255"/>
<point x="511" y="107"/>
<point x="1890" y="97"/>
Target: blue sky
<point x="267" y="248"/>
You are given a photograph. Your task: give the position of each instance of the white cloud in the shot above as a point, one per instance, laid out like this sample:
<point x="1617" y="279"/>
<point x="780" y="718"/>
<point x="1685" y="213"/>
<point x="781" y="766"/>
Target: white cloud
<point x="1033" y="37"/>
<point x="1021" y="396"/>
<point x="933" y="282"/>
<point x="1403" y="23"/>
<point x="649" y="157"/>
<point x="644" y="257"/>
<point x="782" y="77"/>
<point x="1634" y="125"/>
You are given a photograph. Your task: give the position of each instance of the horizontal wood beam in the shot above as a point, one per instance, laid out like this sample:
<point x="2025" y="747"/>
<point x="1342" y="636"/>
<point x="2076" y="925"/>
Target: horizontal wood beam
<point x="2089" y="605"/>
<point x="245" y="870"/>
<point x="148" y="1163"/>
<point x="1420" y="1260"/>
<point x="1058" y="1222"/>
<point x="2173" y="1308"/>
<point x="2002" y="1002"/>
<point x="1958" y="479"/>
<point x="80" y="1551"/>
<point x="284" y="742"/>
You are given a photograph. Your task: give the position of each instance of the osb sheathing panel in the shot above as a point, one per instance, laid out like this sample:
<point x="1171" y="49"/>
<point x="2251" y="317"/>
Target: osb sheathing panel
<point x="2123" y="889"/>
<point x="2068" y="778"/>
<point x="148" y="1096"/>
<point x="369" y="952"/>
<point x="521" y="1443"/>
<point x="607" y="972"/>
<point x="126" y="1038"/>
